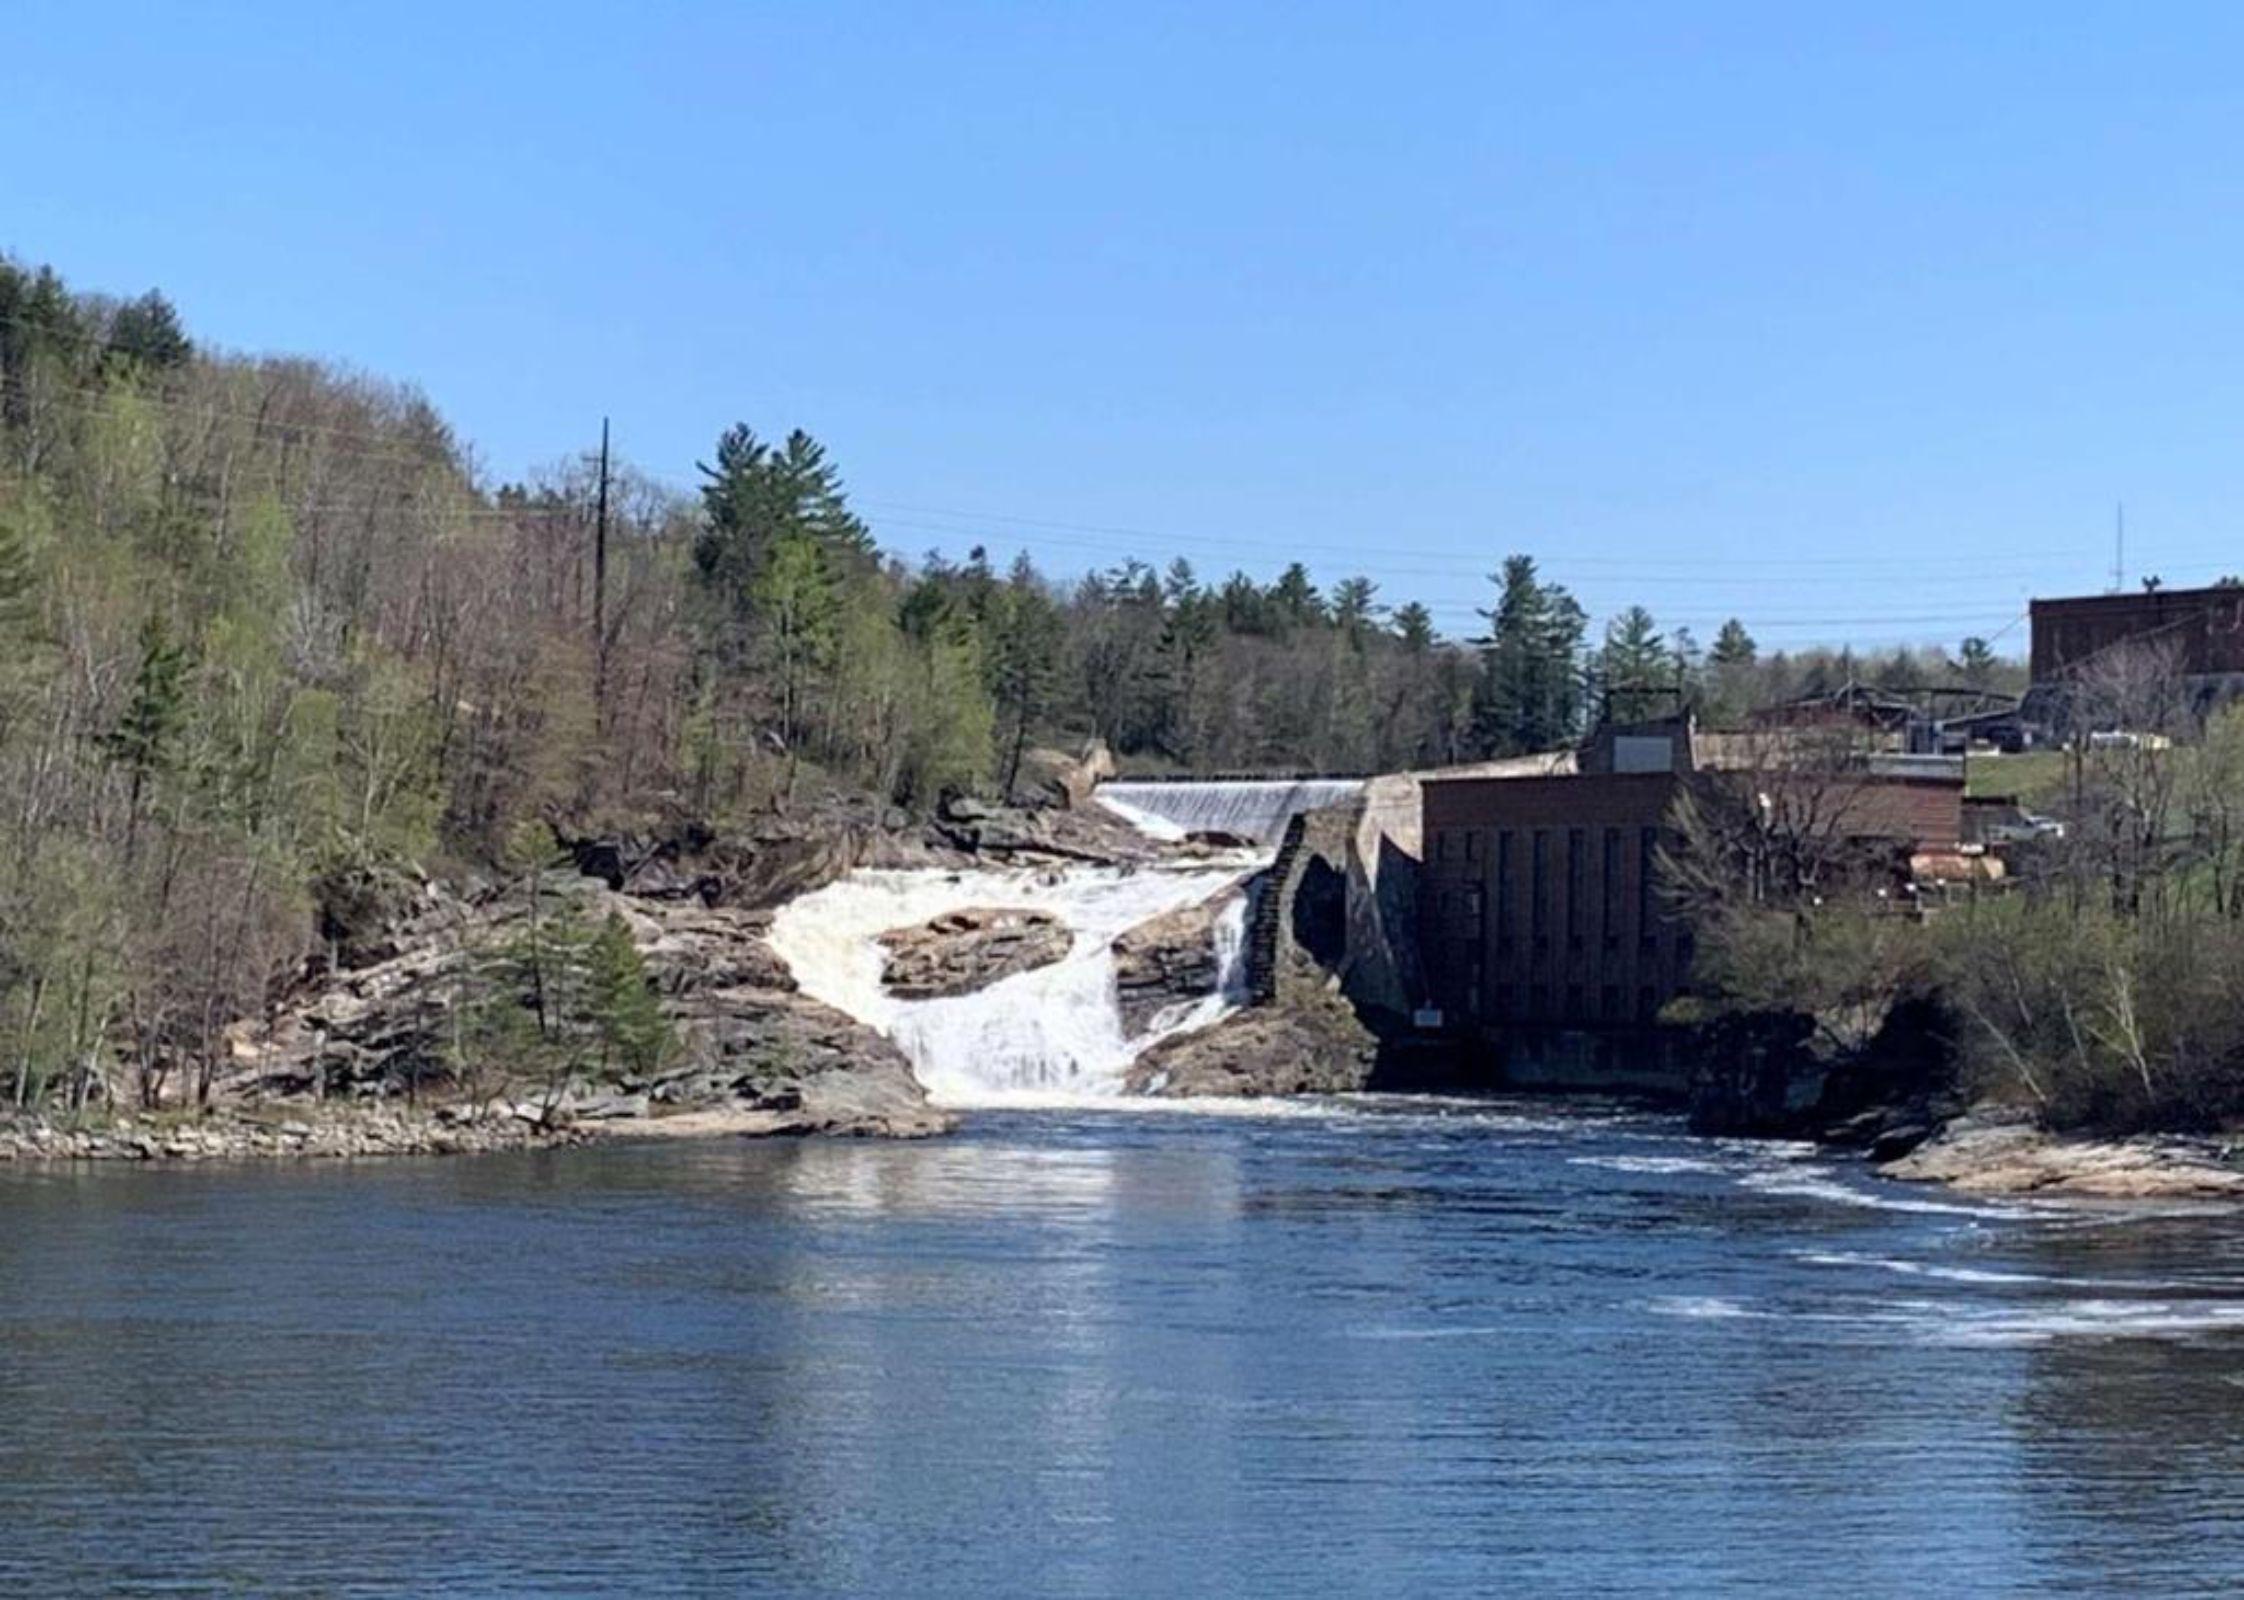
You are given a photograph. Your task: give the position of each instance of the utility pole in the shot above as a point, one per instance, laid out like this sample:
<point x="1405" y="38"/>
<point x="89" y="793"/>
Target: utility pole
<point x="600" y="593"/>
<point x="2119" y="548"/>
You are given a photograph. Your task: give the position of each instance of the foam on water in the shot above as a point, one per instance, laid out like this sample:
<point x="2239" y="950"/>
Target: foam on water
<point x="1049" y="1038"/>
<point x="1821" y="1183"/>
<point x="1645" y="1164"/>
<point x="1146" y="822"/>
<point x="1248" y="808"/>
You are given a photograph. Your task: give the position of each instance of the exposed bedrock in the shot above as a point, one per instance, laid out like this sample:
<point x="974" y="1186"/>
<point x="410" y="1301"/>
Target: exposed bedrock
<point x="1300" y="1044"/>
<point x="961" y="952"/>
<point x="1170" y="960"/>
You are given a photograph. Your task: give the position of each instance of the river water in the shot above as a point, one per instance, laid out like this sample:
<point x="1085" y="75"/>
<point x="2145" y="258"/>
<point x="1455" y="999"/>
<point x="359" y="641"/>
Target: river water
<point x="1348" y="1348"/>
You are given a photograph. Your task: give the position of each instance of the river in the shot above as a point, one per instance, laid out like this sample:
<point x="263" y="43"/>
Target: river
<point x="1345" y="1348"/>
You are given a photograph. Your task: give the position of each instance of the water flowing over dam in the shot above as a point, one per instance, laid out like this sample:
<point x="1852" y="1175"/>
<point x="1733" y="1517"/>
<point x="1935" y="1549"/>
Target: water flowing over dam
<point x="1053" y="1034"/>
<point x="1256" y="808"/>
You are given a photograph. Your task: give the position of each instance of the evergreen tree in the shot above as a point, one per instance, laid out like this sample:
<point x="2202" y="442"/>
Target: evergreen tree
<point x="626" y="1017"/>
<point x="1355" y="607"/>
<point x="144" y="737"/>
<point x="1733" y="646"/>
<point x="1634" y="668"/>
<point x="1246" y="610"/>
<point x="1530" y="691"/>
<point x="1294" y="600"/>
<point x="146" y="333"/>
<point x="1025" y="653"/>
<point x="757" y="496"/>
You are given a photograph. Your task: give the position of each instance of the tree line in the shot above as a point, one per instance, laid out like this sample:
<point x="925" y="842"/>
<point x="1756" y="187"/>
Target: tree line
<point x="266" y="635"/>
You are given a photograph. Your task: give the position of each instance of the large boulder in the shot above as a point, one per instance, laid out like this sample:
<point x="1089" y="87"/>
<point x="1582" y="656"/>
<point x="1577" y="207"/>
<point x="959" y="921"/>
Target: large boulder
<point x="1309" y="1045"/>
<point x="1055" y="778"/>
<point x="366" y="914"/>
<point x="822" y="1070"/>
<point x="961" y="952"/>
<point x="1168" y="961"/>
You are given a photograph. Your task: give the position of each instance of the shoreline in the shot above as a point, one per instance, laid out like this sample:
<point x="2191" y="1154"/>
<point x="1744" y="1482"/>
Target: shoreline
<point x="1988" y="1151"/>
<point x="313" y="1133"/>
<point x="1994" y="1152"/>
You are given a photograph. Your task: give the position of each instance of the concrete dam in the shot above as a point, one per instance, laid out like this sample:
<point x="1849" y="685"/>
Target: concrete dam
<point x="1248" y="808"/>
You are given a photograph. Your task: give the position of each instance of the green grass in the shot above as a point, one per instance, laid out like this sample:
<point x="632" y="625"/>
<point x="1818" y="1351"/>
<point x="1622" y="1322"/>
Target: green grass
<point x="2033" y="779"/>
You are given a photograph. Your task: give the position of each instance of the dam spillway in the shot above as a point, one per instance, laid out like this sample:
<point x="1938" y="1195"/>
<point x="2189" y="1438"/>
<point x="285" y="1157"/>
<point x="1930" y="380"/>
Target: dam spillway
<point x="1247" y="808"/>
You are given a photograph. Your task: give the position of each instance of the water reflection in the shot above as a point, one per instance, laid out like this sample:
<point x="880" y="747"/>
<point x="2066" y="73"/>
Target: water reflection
<point x="1109" y="1355"/>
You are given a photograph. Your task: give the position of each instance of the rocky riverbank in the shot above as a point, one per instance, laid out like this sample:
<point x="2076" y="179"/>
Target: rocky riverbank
<point x="305" y="1133"/>
<point x="1903" y="1104"/>
<point x="2003" y="1152"/>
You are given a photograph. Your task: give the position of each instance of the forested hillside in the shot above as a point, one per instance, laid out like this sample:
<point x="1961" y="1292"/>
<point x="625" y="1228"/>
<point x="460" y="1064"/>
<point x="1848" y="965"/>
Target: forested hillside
<point x="265" y="630"/>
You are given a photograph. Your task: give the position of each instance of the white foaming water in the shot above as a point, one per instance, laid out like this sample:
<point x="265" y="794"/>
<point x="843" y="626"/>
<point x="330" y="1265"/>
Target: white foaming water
<point x="1153" y="827"/>
<point x="1250" y="809"/>
<point x="1049" y="1037"/>
<point x="1660" y="1165"/>
<point x="1821" y="1183"/>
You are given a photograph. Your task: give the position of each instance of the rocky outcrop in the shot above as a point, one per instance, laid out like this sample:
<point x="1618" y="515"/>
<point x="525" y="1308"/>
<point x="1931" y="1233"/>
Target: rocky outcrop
<point x="978" y="829"/>
<point x="756" y="868"/>
<point x="1169" y="961"/>
<point x="816" y="1069"/>
<point x="2004" y="1152"/>
<point x="1055" y="778"/>
<point x="748" y="1044"/>
<point x="961" y="952"/>
<point x="1299" y="1045"/>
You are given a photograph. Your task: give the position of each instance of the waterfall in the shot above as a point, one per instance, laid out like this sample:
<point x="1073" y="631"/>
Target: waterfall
<point x="1250" y="809"/>
<point x="1051" y="1034"/>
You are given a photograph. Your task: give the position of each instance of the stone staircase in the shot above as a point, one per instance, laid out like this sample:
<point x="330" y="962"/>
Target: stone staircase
<point x="1266" y="921"/>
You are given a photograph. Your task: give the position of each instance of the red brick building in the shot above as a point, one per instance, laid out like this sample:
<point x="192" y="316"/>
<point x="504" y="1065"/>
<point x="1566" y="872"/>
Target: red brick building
<point x="1540" y="898"/>
<point x="1541" y="901"/>
<point x="2203" y="627"/>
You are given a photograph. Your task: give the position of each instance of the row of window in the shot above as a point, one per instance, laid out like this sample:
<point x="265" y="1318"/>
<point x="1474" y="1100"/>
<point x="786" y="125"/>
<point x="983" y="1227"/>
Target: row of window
<point x="1613" y="845"/>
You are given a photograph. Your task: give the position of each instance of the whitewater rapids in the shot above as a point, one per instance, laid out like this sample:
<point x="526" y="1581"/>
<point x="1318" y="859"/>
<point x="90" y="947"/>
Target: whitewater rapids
<point x="1050" y="1036"/>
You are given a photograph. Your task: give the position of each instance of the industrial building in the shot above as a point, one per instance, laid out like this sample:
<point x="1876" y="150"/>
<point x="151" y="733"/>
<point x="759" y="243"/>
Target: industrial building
<point x="2201" y="629"/>
<point x="1541" y="906"/>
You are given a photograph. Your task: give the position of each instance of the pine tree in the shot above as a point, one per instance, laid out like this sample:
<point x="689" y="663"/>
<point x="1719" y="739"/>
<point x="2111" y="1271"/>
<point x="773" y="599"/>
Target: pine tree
<point x="1977" y="662"/>
<point x="1025" y="650"/>
<point x="1245" y="608"/>
<point x="755" y="499"/>
<point x="1294" y="600"/>
<point x="144" y="739"/>
<point x="146" y="333"/>
<point x="1355" y="607"/>
<point x="1733" y="646"/>
<point x="1635" y="666"/>
<point x="627" y="1018"/>
<point x="1530" y="691"/>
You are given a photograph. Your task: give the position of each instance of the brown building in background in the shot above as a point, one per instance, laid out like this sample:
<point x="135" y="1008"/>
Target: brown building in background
<point x="1541" y="909"/>
<point x="2204" y="628"/>
<point x="1542" y="900"/>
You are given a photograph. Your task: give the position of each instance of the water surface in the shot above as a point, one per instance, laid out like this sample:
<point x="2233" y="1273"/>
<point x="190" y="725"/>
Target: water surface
<point x="1356" y="1349"/>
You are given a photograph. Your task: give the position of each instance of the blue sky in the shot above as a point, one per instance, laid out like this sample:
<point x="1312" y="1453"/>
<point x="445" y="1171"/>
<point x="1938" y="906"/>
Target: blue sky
<point x="1853" y="321"/>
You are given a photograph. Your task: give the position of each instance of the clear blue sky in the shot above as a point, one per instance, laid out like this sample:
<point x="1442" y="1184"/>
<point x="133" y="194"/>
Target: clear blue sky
<point x="1853" y="321"/>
